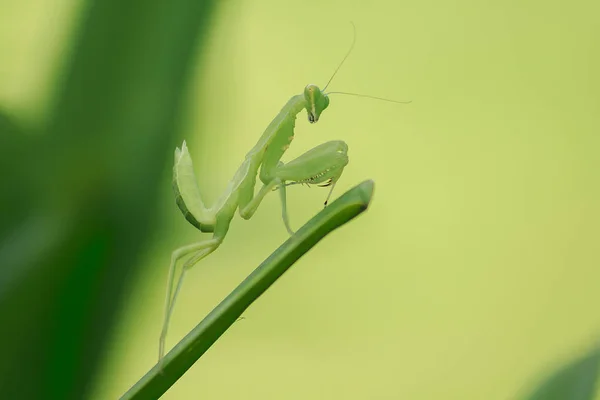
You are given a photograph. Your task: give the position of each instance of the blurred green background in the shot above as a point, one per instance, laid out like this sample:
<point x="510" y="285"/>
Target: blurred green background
<point x="473" y="274"/>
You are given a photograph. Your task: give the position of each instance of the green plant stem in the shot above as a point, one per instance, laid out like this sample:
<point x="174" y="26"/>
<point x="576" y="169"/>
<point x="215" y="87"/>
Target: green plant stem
<point x="163" y="375"/>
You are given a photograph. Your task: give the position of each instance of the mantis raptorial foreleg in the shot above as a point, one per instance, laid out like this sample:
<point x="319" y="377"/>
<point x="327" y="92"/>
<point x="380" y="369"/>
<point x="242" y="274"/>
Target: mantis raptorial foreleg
<point x="324" y="164"/>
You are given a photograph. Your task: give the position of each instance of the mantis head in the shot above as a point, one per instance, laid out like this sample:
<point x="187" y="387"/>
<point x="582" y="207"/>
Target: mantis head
<point x="316" y="102"/>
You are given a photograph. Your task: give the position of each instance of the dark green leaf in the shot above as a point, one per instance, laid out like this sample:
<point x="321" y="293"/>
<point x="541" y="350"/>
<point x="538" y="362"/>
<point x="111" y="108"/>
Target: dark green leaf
<point x="576" y="381"/>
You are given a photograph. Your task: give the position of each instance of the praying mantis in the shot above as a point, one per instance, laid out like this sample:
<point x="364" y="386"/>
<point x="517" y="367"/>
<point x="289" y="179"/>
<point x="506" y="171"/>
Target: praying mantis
<point x="322" y="166"/>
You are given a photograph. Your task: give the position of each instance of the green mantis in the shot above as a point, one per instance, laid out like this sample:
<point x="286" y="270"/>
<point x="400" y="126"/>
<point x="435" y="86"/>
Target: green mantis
<point x="322" y="165"/>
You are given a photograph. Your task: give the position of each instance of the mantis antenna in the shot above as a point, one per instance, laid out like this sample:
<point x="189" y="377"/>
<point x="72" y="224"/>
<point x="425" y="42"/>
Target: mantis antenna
<point x="371" y="97"/>
<point x="346" y="56"/>
<point x="356" y="94"/>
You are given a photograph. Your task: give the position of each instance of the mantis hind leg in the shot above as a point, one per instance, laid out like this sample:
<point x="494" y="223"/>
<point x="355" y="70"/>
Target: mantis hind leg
<point x="196" y="252"/>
